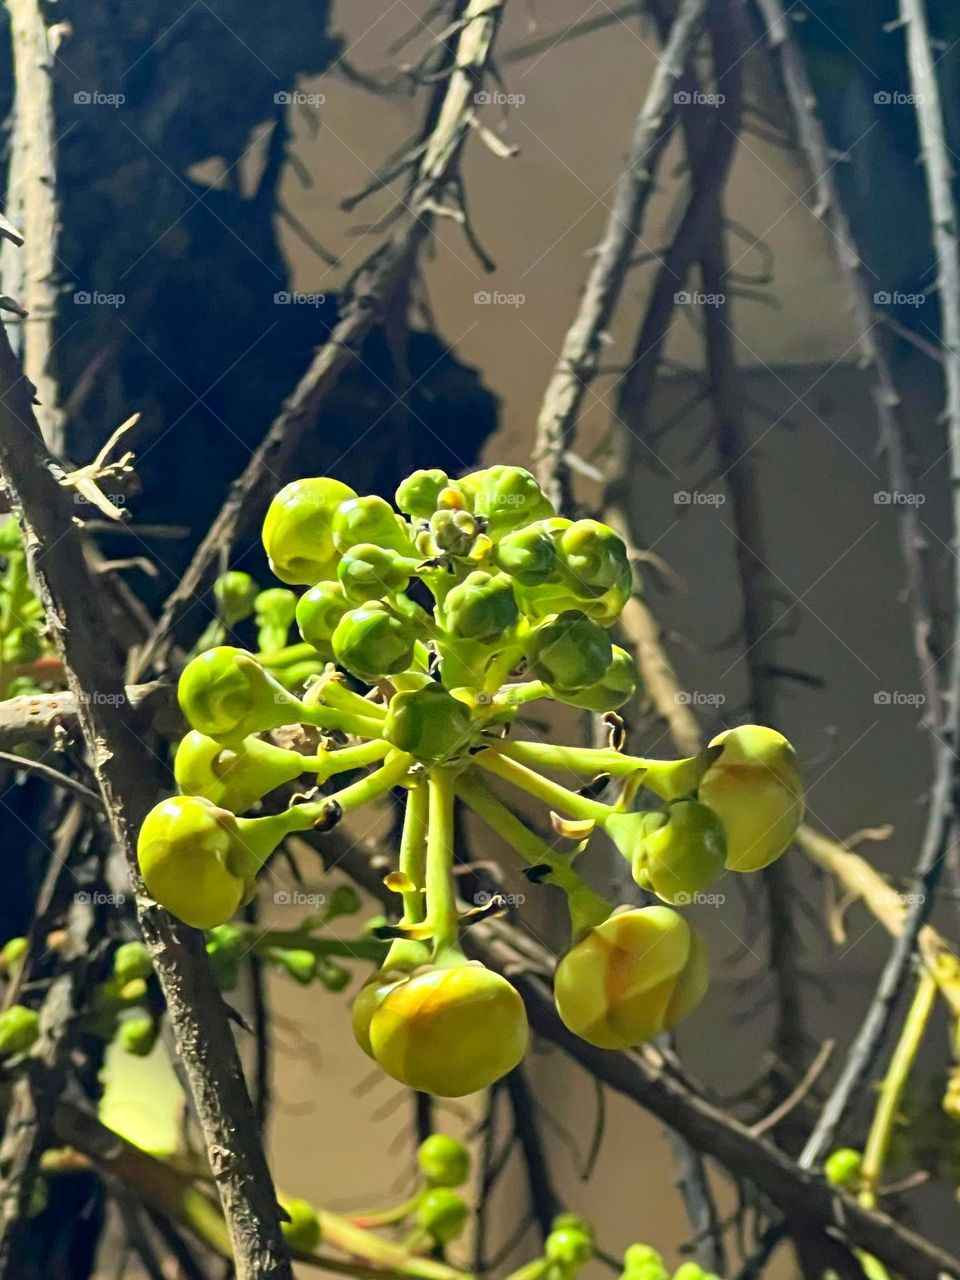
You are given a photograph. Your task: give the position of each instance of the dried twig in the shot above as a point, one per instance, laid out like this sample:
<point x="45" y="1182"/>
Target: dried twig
<point x="580" y="353"/>
<point x="126" y="773"/>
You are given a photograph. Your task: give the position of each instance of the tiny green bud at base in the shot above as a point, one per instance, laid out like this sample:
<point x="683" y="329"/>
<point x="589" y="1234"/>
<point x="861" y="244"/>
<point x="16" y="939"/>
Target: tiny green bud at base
<point x="318" y="612"/>
<point x="442" y="1214"/>
<point x="481" y="607"/>
<point x="443" y="1161"/>
<point x="19" y="1030"/>
<point x="274" y="611"/>
<point x="303" y="1231"/>
<point x="842" y="1167"/>
<point x="132" y="960"/>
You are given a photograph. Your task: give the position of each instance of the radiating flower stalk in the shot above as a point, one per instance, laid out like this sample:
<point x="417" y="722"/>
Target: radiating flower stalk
<point x="423" y="632"/>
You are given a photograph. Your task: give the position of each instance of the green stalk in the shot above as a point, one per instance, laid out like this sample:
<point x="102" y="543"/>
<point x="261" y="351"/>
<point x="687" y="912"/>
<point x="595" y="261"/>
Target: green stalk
<point x="551" y="793"/>
<point x="587" y="908"/>
<point x="441" y="898"/>
<point x="891" y="1091"/>
<point x="408" y="953"/>
<point x="669" y="779"/>
<point x="324" y="717"/>
<point x="334" y="693"/>
<point x="327" y="763"/>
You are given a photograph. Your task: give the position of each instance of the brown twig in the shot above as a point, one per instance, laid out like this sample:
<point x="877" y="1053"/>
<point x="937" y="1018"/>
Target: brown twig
<point x="577" y="364"/>
<point x="126" y="773"/>
<point x="363" y="306"/>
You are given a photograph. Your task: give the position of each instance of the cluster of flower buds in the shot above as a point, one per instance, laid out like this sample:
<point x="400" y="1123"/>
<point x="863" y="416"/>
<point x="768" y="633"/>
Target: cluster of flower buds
<point x="642" y="1262"/>
<point x="425" y="627"/>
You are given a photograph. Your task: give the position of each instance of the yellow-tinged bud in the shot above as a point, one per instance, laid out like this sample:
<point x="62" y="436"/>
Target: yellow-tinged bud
<point x="225" y="693"/>
<point x="450" y="1031"/>
<point x="638" y="973"/>
<point x="298" y="530"/>
<point x="756" y="790"/>
<point x="200" y="861"/>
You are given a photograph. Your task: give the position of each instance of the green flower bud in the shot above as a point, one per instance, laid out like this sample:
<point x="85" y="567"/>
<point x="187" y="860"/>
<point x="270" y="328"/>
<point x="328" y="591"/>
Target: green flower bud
<point x="442" y="1214"/>
<point x="643" y="1255"/>
<point x="21" y="646"/>
<point x="417" y="495"/>
<point x="369" y="572"/>
<point x="19" y="1030"/>
<point x="370" y="519"/>
<point x="481" y="607"/>
<point x="275" y="610"/>
<point x="506" y="497"/>
<point x="303" y="1232"/>
<point x="676" y="852"/>
<point x="443" y="1161"/>
<point x="570" y="653"/>
<point x="529" y="556"/>
<point x="429" y="724"/>
<point x="235" y="593"/>
<point x="617" y="686"/>
<point x="234" y="777"/>
<point x="298" y="533"/>
<point x="132" y="960"/>
<point x="573" y="1222"/>
<point x="200" y="861"/>
<point x="370" y="642"/>
<point x="334" y="976"/>
<point x="318" y="612"/>
<point x="138" y="1035"/>
<point x="638" y="973"/>
<point x="223" y="947"/>
<point x="569" y="1248"/>
<point x="454" y="531"/>
<point x="449" y="1031"/>
<point x="296" y="962"/>
<point x="344" y="901"/>
<point x="691" y="1271"/>
<point x="13" y="952"/>
<point x="595" y="558"/>
<point x="225" y="693"/>
<point x="756" y="790"/>
<point x="843" y="1166"/>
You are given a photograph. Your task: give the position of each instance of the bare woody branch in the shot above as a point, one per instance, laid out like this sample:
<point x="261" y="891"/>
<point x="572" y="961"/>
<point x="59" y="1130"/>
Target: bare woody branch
<point x="579" y="357"/>
<point x="127" y="775"/>
<point x="365" y="305"/>
<point x="30" y="274"/>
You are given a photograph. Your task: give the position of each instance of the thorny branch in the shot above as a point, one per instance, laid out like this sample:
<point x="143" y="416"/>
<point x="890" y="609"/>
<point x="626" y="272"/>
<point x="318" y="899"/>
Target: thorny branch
<point x="578" y="362"/>
<point x="126" y="772"/>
